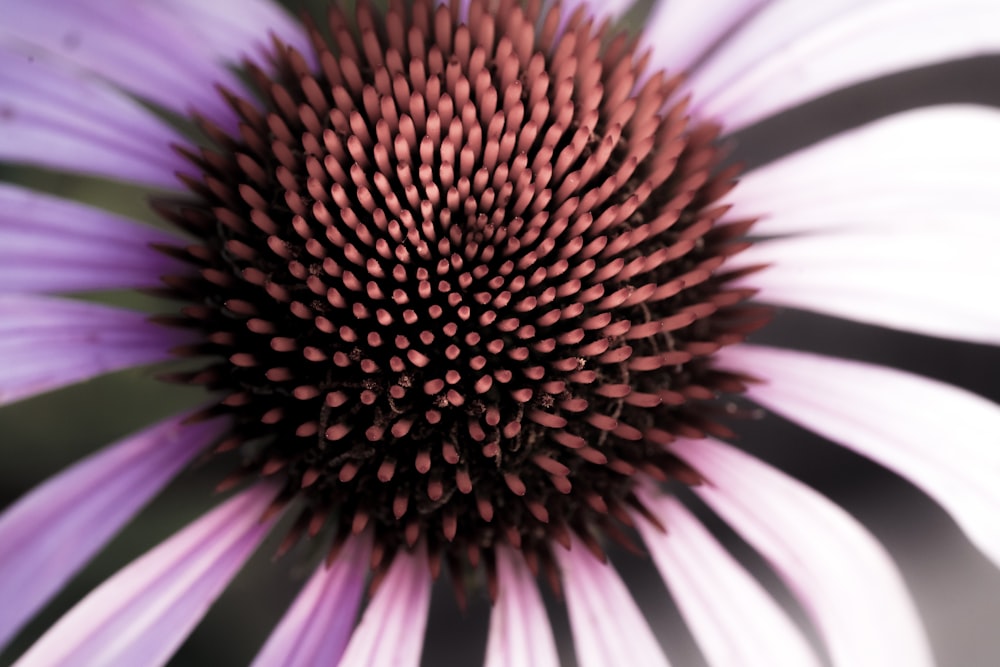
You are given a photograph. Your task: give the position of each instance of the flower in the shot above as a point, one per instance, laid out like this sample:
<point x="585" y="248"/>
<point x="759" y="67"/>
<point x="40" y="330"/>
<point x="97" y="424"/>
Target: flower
<point x="469" y="285"/>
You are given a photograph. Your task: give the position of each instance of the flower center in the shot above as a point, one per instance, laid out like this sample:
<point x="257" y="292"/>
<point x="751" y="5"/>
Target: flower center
<point x="460" y="279"/>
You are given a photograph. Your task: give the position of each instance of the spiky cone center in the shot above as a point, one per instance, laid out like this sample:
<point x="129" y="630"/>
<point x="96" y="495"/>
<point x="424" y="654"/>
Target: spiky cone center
<point x="460" y="284"/>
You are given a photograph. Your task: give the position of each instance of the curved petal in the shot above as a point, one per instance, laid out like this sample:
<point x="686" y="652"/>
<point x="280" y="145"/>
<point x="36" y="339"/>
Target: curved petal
<point x="608" y="627"/>
<point x="392" y="628"/>
<point x="47" y="343"/>
<point x="933" y="166"/>
<point x="142" y="614"/>
<point x="733" y="618"/>
<point x="796" y="51"/>
<point x="940" y="283"/>
<point x="842" y="576"/>
<point x="520" y="633"/>
<point x="942" y="438"/>
<point x="170" y="52"/>
<point x="54" y="245"/>
<point x="47" y="535"/>
<point x="315" y="630"/>
<point x="55" y="116"/>
<point x="680" y="32"/>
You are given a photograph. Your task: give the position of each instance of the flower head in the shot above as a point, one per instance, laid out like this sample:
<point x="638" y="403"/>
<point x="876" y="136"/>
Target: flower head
<point x="468" y="284"/>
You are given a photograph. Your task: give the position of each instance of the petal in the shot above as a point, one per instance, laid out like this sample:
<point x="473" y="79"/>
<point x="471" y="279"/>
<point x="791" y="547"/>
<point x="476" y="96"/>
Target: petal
<point x="794" y="51"/>
<point x="47" y="535"/>
<point x="925" y="167"/>
<point x="47" y="343"/>
<point x="392" y="628"/>
<point x="142" y="614"/>
<point x="942" y="438"/>
<point x="54" y="245"/>
<point x="170" y="52"/>
<point x="55" y="116"/>
<point x="680" y="32"/>
<point x="520" y="633"/>
<point x="315" y="630"/>
<point x="599" y="10"/>
<point x="937" y="283"/>
<point x="842" y="576"/>
<point x="733" y="618"/>
<point x="608" y="628"/>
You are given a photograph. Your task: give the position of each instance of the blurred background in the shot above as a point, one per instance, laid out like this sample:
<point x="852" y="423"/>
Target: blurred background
<point x="956" y="589"/>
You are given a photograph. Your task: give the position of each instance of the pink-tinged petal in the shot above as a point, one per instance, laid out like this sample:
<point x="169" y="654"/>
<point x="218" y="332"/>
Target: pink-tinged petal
<point x="47" y="343"/>
<point x="734" y="619"/>
<point x="391" y="631"/>
<point x="315" y="629"/>
<point x="50" y="533"/>
<point x="520" y="633"/>
<point x="940" y="437"/>
<point x="843" y="577"/>
<point x="54" y="245"/>
<point x="144" y="612"/>
<point x="938" y="282"/>
<point x="596" y="9"/>
<point x="795" y="51"/>
<point x="680" y="32"/>
<point x="608" y="627"/>
<point x="54" y="115"/>
<point x="933" y="166"/>
<point x="170" y="52"/>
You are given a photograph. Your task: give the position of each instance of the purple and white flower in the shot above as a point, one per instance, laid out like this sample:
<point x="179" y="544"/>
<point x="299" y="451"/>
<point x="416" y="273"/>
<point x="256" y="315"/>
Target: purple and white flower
<point x="468" y="285"/>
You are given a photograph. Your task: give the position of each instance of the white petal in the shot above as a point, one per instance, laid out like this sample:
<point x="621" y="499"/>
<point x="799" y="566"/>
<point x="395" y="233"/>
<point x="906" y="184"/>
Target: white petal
<point x="142" y="614"/>
<point x="392" y="628"/>
<point x="53" y="115"/>
<point x="939" y="282"/>
<point x="679" y="32"/>
<point x="942" y="438"/>
<point x="794" y="51"/>
<point x="842" y="576"/>
<point x="47" y="535"/>
<point x="520" y="633"/>
<point x="315" y="630"/>
<point x="934" y="166"/>
<point x="54" y="245"/>
<point x="599" y="10"/>
<point x="734" y="619"/>
<point x="47" y="343"/>
<point x="608" y="627"/>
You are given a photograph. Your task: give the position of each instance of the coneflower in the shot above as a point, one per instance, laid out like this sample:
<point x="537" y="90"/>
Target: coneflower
<point x="468" y="284"/>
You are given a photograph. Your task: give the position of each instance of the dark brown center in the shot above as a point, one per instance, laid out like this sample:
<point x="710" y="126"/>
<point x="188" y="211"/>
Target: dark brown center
<point x="460" y="283"/>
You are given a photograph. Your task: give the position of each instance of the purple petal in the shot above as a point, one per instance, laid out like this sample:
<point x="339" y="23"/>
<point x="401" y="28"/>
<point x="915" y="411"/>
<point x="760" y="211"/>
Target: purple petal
<point x="842" y="576"/>
<point x="144" y="612"/>
<point x="392" y="628"/>
<point x="53" y="245"/>
<point x="47" y="343"/>
<point x="170" y="52"/>
<point x="608" y="627"/>
<point x="520" y="633"/>
<point x="940" y="437"/>
<point x="733" y="618"/>
<point x="55" y="529"/>
<point x="56" y="116"/>
<point x="315" y="630"/>
<point x="793" y="51"/>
